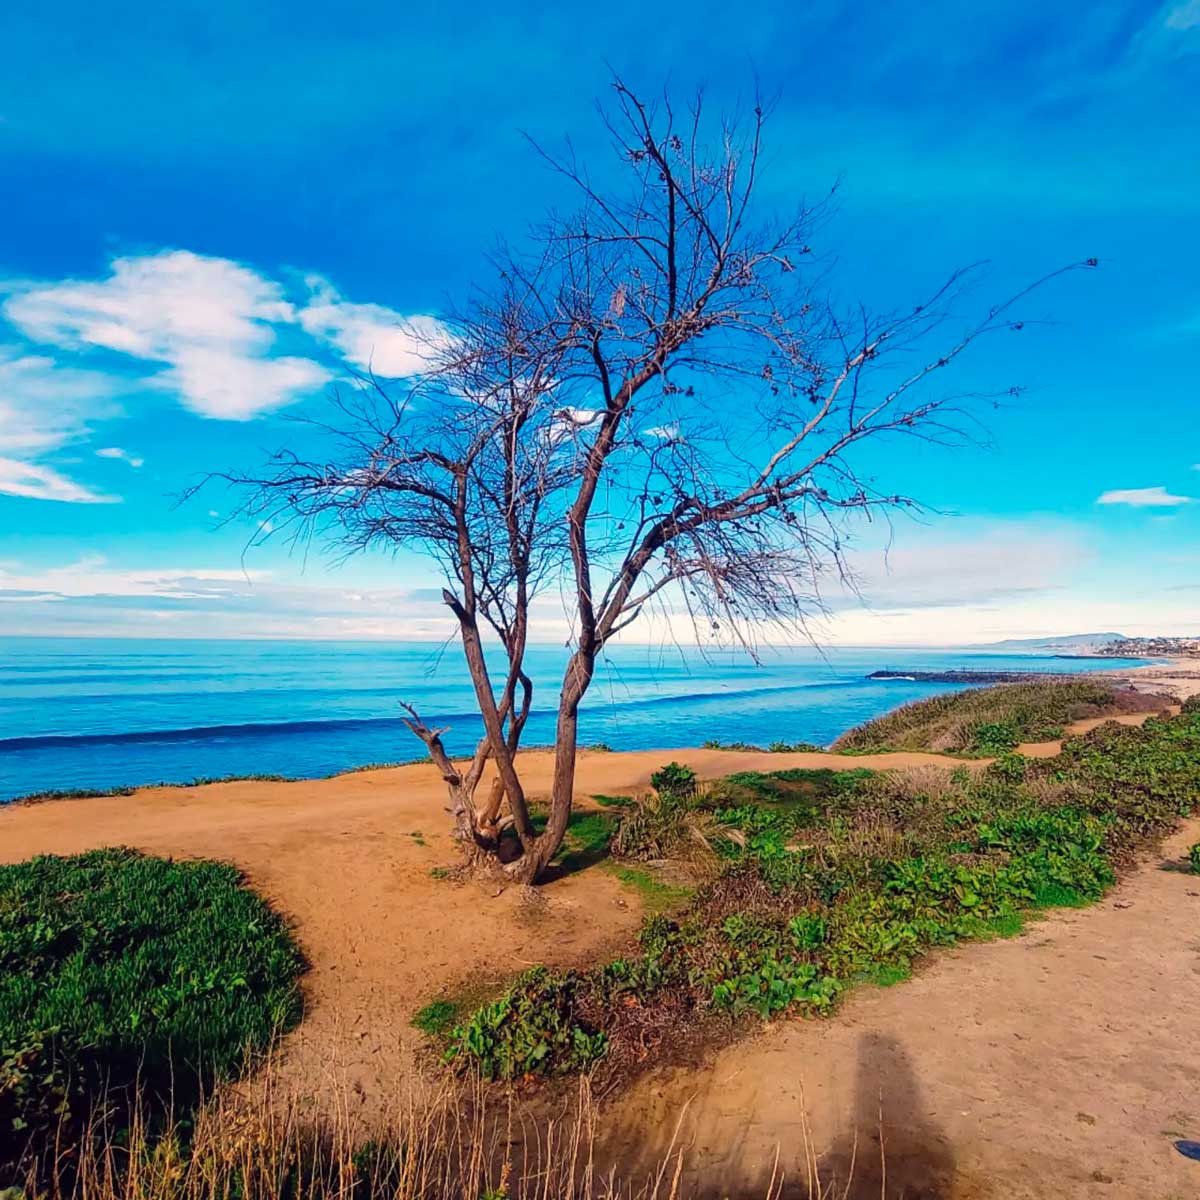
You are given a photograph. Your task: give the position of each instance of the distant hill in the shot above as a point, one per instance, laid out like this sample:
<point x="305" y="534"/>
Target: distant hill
<point x="1075" y="643"/>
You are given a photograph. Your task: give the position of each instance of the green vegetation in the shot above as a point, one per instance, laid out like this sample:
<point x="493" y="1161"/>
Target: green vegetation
<point x="825" y="879"/>
<point x="994" y="720"/>
<point x="118" y="969"/>
<point x="199" y="781"/>
<point x="436" y="1018"/>
<point x="773" y="748"/>
<point x="674" y="780"/>
<point x="613" y="801"/>
<point x="1194" y="859"/>
<point x="532" y="1028"/>
<point x="100" y="793"/>
<point x="657" y="894"/>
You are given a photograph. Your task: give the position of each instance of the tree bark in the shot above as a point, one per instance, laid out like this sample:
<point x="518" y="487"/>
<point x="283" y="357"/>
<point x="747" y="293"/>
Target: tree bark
<point x="532" y="864"/>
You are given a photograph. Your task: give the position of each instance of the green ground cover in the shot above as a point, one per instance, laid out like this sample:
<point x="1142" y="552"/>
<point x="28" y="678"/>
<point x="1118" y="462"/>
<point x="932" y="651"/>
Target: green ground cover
<point x="120" y="970"/>
<point x="822" y="880"/>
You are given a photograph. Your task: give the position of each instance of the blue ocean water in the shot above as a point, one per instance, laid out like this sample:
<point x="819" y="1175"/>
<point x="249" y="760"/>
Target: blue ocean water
<point x="96" y="713"/>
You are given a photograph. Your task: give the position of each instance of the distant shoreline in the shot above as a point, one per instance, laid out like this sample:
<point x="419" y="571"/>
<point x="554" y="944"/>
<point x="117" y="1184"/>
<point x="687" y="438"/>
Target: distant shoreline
<point x="1180" y="676"/>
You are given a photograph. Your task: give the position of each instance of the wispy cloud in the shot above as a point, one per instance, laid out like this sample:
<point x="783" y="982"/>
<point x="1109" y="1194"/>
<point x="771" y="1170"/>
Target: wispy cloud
<point x="965" y="563"/>
<point x="134" y="460"/>
<point x="206" y="331"/>
<point x="1185" y="15"/>
<point x="94" y="577"/>
<point x="1149" y="497"/>
<point x="44" y="408"/>
<point x="39" y="482"/>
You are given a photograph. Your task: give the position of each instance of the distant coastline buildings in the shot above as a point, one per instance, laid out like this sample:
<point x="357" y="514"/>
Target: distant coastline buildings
<point x="1154" y="647"/>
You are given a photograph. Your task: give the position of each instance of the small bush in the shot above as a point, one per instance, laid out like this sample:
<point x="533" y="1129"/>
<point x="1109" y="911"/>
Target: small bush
<point x="776" y="747"/>
<point x="994" y="737"/>
<point x="674" y="780"/>
<point x="436" y="1018"/>
<point x="1194" y="859"/>
<point x="657" y="826"/>
<point x="533" y="1027"/>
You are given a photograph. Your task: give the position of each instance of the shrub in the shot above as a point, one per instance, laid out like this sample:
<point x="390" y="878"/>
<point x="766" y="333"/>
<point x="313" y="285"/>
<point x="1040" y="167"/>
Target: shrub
<point x="533" y="1027"/>
<point x="674" y="780"/>
<point x="436" y="1018"/>
<point x="1194" y="859"/>
<point x="116" y="968"/>
<point x="776" y="747"/>
<point x="994" y="737"/>
<point x="661" y="825"/>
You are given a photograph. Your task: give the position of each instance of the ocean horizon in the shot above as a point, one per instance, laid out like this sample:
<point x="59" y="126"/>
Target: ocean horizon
<point x="95" y="713"/>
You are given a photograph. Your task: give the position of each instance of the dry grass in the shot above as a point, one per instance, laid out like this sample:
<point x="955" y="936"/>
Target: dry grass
<point x="465" y="1141"/>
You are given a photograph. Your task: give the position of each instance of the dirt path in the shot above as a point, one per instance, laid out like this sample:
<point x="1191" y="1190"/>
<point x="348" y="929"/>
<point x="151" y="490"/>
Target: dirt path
<point x="1061" y="1063"/>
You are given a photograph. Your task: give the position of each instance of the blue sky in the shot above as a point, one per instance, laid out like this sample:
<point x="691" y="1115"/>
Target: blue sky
<point x="210" y="213"/>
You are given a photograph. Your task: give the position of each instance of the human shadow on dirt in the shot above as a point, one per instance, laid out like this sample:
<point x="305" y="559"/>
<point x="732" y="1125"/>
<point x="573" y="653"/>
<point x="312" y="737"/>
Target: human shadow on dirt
<point x="892" y="1148"/>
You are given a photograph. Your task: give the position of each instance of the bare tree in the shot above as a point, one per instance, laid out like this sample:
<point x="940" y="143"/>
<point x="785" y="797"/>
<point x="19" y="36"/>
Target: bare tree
<point x="655" y="404"/>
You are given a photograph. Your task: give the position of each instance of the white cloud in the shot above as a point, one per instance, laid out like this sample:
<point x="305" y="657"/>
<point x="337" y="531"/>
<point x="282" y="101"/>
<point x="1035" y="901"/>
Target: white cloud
<point x="1151" y="497"/>
<point x="44" y="406"/>
<point x="134" y="460"/>
<point x="237" y="387"/>
<point x="370" y="336"/>
<point x="581" y="417"/>
<point x="208" y="330"/>
<point x="668" y="433"/>
<point x="209" y="322"/>
<point x="38" y="482"/>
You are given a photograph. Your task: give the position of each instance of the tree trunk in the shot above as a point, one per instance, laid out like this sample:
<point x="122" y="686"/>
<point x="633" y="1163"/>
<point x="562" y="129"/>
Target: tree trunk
<point x="530" y="866"/>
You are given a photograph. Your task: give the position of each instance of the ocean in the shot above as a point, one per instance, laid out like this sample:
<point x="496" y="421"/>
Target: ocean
<point x="101" y="713"/>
